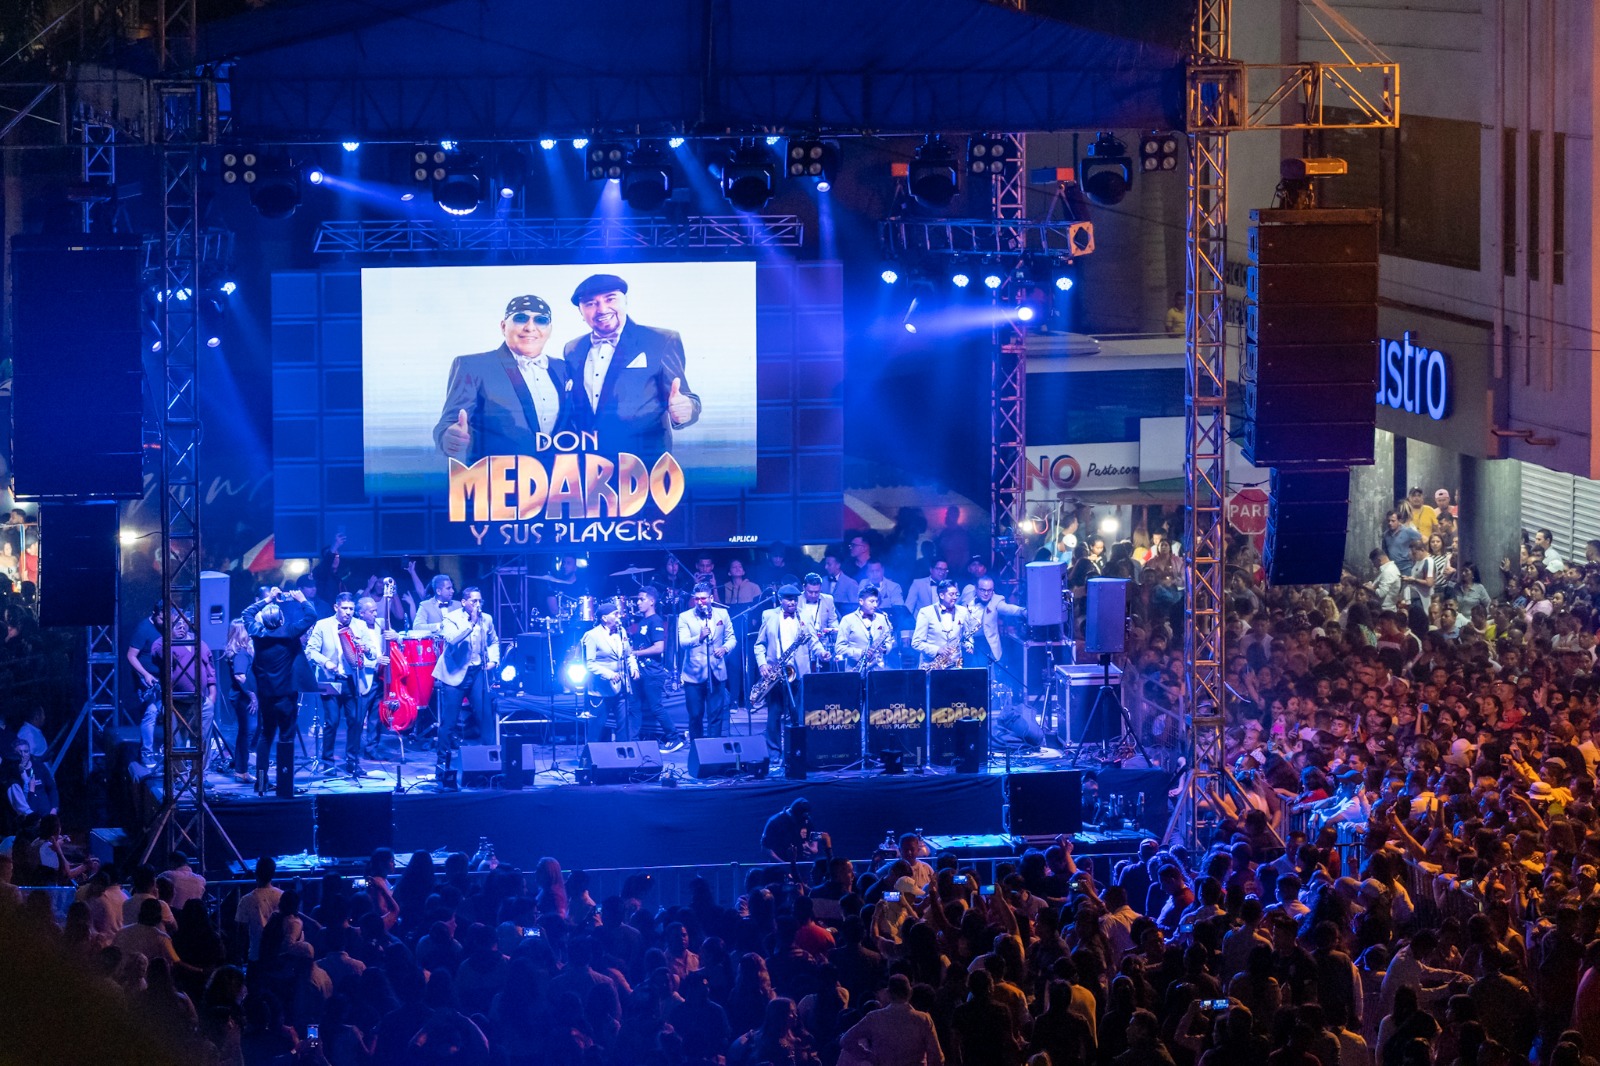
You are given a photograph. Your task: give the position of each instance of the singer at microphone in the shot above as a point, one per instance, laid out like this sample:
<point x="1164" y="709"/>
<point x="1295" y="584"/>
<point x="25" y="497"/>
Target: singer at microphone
<point x="705" y="637"/>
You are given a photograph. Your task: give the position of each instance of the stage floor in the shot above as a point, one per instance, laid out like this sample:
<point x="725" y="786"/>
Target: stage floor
<point x="671" y="819"/>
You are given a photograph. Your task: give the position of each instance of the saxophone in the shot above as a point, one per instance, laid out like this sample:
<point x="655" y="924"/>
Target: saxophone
<point x="783" y="668"/>
<point x="874" y="654"/>
<point x="950" y="654"/>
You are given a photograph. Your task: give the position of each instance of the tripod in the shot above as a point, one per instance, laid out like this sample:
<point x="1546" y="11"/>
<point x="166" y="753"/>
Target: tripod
<point x="1103" y="696"/>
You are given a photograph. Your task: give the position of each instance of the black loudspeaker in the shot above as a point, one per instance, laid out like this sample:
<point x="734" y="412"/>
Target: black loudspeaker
<point x="831" y="706"/>
<point x="1106" y="622"/>
<point x="77" y="348"/>
<point x="511" y="776"/>
<point x="1045" y="582"/>
<point x="1307" y="517"/>
<point x="1311" y="328"/>
<point x="214" y="614"/>
<point x="78" y="564"/>
<point x="794" y="756"/>
<point x="729" y="756"/>
<point x="618" y="762"/>
<point x="1045" y="803"/>
<point x="956" y="697"/>
<point x="354" y="823"/>
<point x="1081" y="687"/>
<point x="971" y="745"/>
<point x="479" y="764"/>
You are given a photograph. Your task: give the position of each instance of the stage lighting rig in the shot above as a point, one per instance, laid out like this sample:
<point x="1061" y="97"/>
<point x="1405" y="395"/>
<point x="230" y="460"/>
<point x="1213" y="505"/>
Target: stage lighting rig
<point x="1107" y="171"/>
<point x="988" y="155"/>
<point x="647" y="178"/>
<point x="273" y="181"/>
<point x="1158" y="152"/>
<point x="606" y="160"/>
<point x="748" y="177"/>
<point x="933" y="177"/>
<point x="458" y="184"/>
<point x="813" y="157"/>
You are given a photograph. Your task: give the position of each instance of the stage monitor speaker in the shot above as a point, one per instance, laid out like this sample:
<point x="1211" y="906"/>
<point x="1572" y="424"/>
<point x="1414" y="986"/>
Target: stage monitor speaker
<point x="618" y="762"/>
<point x="354" y="824"/>
<point x="78" y="564"/>
<point x="1081" y="687"/>
<point x="214" y="613"/>
<point x="77" y="348"/>
<point x="1045" y="583"/>
<point x="794" y="755"/>
<point x="1106" y="625"/>
<point x="972" y="745"/>
<point x="1045" y="803"/>
<point x="729" y="756"/>
<point x="479" y="764"/>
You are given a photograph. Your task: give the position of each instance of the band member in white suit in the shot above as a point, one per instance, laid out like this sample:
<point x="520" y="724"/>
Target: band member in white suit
<point x="785" y="638"/>
<point x="865" y="630"/>
<point x="820" y="614"/>
<point x="470" y="649"/>
<point x="341" y="649"/>
<point x="941" y="623"/>
<point x="368" y="691"/>
<point x="989" y="607"/>
<point x="705" y="640"/>
<point x="612" y="672"/>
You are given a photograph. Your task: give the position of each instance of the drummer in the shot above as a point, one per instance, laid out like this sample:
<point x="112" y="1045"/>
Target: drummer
<point x="430" y="615"/>
<point x="563" y="585"/>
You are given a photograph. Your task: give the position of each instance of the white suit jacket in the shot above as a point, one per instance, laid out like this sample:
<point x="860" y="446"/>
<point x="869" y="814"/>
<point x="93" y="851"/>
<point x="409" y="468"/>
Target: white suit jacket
<point x="325" y="652"/>
<point x="455" y="653"/>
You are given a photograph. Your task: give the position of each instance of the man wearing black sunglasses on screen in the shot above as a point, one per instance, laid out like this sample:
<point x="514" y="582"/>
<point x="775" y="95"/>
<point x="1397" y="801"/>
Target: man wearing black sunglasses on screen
<point x="503" y="402"/>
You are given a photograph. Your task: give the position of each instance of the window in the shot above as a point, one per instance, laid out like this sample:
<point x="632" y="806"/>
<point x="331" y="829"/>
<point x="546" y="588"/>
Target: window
<point x="1508" y="194"/>
<point x="1533" y="205"/>
<point x="1558" y="209"/>
<point x="1424" y="177"/>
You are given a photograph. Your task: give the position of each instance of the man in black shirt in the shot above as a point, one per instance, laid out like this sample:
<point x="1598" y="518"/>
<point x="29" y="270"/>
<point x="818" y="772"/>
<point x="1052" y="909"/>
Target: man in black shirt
<point x="276" y="623"/>
<point x="145" y="681"/>
<point x="649" y="648"/>
<point x="788" y="836"/>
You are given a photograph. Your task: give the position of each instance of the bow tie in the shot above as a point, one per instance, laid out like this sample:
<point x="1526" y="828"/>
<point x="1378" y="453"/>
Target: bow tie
<point x="595" y="340"/>
<point x="538" y="362"/>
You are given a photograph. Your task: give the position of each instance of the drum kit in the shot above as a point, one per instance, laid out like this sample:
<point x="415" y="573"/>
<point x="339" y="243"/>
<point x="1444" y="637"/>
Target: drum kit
<point x="572" y="616"/>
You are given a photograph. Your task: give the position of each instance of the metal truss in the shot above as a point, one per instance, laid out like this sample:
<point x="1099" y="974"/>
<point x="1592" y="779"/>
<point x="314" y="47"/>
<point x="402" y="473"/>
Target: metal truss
<point x="940" y="237"/>
<point x="559" y="234"/>
<point x="509" y="602"/>
<point x="102" y="710"/>
<point x="1206" y="412"/>
<point x="98" y="165"/>
<point x="185" y="815"/>
<point x="176" y="34"/>
<point x="216" y="251"/>
<point x="1008" y="440"/>
<point x="1297" y="96"/>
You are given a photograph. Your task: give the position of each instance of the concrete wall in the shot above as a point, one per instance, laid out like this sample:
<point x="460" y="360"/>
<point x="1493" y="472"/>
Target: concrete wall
<point x="1490" y="515"/>
<point x="1371" y="496"/>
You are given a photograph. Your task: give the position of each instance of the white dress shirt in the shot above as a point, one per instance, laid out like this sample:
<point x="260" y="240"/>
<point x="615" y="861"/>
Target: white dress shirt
<point x="595" y="367"/>
<point x="546" y="401"/>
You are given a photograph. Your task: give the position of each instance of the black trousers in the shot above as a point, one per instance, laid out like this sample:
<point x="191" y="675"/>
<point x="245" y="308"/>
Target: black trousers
<point x="244" y="730"/>
<point x="649" y="716"/>
<point x="474" y="693"/>
<point x="339" y="703"/>
<point x="707" y="705"/>
<point x="781" y="711"/>
<point x="278" y="718"/>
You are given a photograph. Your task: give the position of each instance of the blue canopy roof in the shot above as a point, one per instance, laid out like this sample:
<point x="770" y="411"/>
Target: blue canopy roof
<point x="402" y="70"/>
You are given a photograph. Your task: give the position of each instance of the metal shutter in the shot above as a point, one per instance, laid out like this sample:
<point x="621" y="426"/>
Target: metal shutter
<point x="1547" y="503"/>
<point x="1585" y="515"/>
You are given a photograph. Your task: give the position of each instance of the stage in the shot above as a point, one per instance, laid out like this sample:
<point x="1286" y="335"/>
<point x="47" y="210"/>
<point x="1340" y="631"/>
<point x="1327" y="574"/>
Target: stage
<point x="672" y="819"/>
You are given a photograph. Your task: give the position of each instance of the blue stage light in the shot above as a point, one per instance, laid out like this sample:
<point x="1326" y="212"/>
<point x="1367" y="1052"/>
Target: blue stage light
<point x="228" y="288"/>
<point x="316" y="175"/>
<point x="1063" y="283"/>
<point x="1024" y="313"/>
<point x="889" y="275"/>
<point x="350" y="146"/>
<point x="580" y="143"/>
<point x="675" y="142"/>
<point x="547" y="143"/>
<point x="961" y="279"/>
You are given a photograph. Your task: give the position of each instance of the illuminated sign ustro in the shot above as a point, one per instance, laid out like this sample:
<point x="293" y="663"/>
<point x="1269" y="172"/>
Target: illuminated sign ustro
<point x="1415" y="379"/>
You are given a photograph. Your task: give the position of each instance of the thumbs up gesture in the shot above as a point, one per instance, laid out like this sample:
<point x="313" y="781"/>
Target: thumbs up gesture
<point x="457" y="437"/>
<point x="680" y="405"/>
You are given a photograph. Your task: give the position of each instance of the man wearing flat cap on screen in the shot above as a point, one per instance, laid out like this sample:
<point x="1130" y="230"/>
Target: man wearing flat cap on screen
<point x="497" y="401"/>
<point x="628" y="379"/>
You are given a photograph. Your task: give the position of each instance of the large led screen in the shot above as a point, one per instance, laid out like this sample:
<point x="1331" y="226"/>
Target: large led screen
<point x="507" y="409"/>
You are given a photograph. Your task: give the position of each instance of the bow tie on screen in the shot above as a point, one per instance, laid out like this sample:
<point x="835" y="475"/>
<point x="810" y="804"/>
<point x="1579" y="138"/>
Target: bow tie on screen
<point x="595" y="341"/>
<point x="538" y="362"/>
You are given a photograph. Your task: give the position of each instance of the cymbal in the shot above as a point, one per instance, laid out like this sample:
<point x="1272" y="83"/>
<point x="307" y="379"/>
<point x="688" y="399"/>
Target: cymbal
<point x="547" y="577"/>
<point x="630" y="571"/>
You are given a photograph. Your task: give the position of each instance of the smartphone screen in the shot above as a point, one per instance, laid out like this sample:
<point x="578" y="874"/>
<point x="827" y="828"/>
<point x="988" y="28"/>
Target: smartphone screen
<point x="986" y="890"/>
<point x="312" y="1032"/>
<point x="962" y="879"/>
<point x="1215" y="1004"/>
<point x="891" y="897"/>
